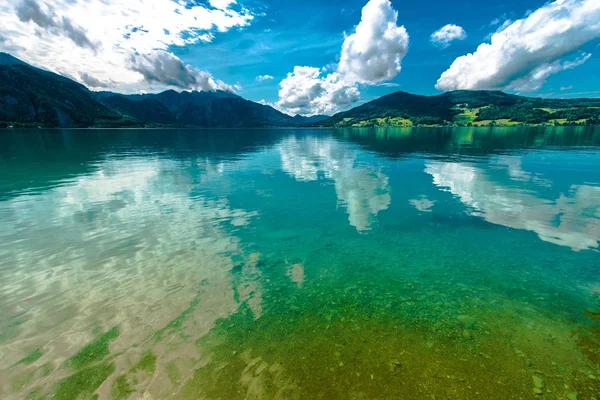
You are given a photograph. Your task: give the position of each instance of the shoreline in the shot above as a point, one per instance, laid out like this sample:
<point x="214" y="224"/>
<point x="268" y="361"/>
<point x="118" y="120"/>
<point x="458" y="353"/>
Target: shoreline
<point x="298" y="127"/>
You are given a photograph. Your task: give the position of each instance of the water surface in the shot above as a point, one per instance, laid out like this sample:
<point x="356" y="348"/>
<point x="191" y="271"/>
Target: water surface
<point x="300" y="264"/>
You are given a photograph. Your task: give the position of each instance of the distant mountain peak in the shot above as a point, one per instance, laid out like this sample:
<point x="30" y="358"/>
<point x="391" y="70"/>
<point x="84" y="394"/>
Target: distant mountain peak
<point x="7" y="59"/>
<point x="301" y="119"/>
<point x="467" y="108"/>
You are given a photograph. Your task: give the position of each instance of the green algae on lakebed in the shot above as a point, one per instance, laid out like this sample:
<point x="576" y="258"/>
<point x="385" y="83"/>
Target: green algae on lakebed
<point x="409" y="264"/>
<point x="120" y="388"/>
<point x="95" y="351"/>
<point x="83" y="382"/>
<point x="146" y="363"/>
<point x="367" y="346"/>
<point x="31" y="357"/>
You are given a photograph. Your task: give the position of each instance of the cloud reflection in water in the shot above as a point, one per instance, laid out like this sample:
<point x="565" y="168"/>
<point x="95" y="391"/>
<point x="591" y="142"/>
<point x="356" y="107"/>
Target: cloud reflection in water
<point x="363" y="190"/>
<point x="572" y="219"/>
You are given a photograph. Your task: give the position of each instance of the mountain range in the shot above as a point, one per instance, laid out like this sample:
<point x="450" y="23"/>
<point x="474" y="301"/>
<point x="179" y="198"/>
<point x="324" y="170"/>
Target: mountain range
<point x="468" y="108"/>
<point x="33" y="97"/>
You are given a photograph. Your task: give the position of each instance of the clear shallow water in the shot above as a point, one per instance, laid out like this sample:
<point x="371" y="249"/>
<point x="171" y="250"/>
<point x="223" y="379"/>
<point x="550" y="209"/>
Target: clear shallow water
<point x="351" y="264"/>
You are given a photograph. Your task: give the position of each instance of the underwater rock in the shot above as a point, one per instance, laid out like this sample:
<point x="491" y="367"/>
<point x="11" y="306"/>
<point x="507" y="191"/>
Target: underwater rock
<point x="466" y="321"/>
<point x="572" y="396"/>
<point x="529" y="363"/>
<point x="538" y="384"/>
<point x="394" y="365"/>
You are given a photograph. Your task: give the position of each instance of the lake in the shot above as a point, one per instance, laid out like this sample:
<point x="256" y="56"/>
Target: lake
<point x="382" y="263"/>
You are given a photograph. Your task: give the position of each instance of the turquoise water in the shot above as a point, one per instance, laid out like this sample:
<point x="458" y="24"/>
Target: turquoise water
<point x="300" y="264"/>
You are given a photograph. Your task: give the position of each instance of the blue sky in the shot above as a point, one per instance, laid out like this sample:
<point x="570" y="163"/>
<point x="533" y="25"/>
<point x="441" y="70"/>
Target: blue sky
<point x="135" y="45"/>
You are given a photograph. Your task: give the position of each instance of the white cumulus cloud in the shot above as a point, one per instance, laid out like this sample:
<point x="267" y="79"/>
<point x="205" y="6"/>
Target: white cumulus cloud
<point x="373" y="52"/>
<point x="165" y="68"/>
<point x="447" y="34"/>
<point x="537" y="78"/>
<point x="45" y="18"/>
<point x="221" y="4"/>
<point x="370" y="55"/>
<point x="262" y="78"/>
<point x="532" y="48"/>
<point x="305" y="91"/>
<point x="97" y="39"/>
